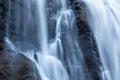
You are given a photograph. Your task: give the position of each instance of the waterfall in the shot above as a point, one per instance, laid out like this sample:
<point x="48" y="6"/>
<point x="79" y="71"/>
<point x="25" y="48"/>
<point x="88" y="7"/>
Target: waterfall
<point x="42" y="25"/>
<point x="104" y="21"/>
<point x="47" y="35"/>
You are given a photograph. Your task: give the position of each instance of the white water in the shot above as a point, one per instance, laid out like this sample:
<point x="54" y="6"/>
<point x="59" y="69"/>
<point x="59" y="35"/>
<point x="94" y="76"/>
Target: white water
<point x="42" y="26"/>
<point x="56" y="60"/>
<point x="60" y="57"/>
<point x="104" y="21"/>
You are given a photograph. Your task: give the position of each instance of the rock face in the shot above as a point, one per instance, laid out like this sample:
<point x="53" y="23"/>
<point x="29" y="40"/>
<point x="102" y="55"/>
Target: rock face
<point x="87" y="41"/>
<point x="15" y="66"/>
<point x="3" y="14"/>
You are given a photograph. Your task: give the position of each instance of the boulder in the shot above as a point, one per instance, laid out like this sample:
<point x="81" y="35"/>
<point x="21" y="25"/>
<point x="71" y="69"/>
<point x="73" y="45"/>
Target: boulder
<point x="15" y="66"/>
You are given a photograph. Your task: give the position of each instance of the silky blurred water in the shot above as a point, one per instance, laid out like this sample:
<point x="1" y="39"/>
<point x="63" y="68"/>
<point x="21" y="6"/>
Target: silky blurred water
<point x="104" y="20"/>
<point x="45" y="32"/>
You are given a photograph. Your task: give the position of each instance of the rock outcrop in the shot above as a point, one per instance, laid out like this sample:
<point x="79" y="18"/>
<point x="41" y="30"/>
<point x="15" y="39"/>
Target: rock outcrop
<point x="3" y="15"/>
<point x="14" y="66"/>
<point x="87" y="41"/>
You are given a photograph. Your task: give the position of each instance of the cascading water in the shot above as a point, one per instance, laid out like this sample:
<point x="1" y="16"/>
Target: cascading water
<point x="104" y="21"/>
<point x="57" y="57"/>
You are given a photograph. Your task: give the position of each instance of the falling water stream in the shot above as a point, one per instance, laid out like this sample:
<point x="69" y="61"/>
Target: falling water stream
<point x="44" y="31"/>
<point x="104" y="21"/>
<point x="57" y="57"/>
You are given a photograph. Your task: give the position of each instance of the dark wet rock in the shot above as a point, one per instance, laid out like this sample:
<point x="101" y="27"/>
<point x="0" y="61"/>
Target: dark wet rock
<point x="87" y="41"/>
<point x="15" y="66"/>
<point x="1" y="47"/>
<point x="3" y="14"/>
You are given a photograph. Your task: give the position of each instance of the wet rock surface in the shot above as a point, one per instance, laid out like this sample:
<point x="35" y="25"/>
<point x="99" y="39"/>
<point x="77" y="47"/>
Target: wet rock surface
<point x="87" y="41"/>
<point x="3" y="14"/>
<point x="15" y="66"/>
